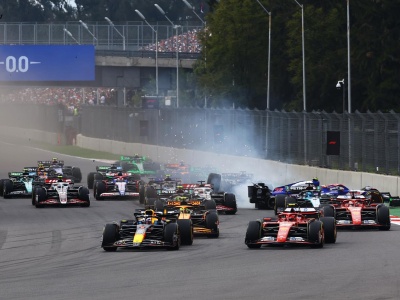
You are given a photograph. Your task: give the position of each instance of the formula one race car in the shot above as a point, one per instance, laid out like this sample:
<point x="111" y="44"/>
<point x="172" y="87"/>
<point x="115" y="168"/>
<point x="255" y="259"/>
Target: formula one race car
<point x="18" y="184"/>
<point x="226" y="202"/>
<point x="355" y="210"/>
<point x="102" y="172"/>
<point x="60" y="191"/>
<point x="148" y="229"/>
<point x="158" y="189"/>
<point x="123" y="185"/>
<point x="137" y="164"/>
<point x="56" y="166"/>
<point x="292" y="226"/>
<point x="201" y="212"/>
<point x="387" y="197"/>
<point x="260" y="195"/>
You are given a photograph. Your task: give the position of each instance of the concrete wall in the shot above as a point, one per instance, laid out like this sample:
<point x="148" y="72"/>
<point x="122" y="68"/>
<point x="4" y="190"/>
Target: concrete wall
<point x="267" y="171"/>
<point x="270" y="172"/>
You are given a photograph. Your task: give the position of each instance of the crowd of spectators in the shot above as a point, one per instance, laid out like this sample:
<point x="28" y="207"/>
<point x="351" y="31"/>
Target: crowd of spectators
<point x="74" y="98"/>
<point x="186" y="42"/>
<point x="71" y="98"/>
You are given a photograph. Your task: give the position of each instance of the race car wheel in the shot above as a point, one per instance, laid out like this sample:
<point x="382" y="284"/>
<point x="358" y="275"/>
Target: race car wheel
<point x="279" y="203"/>
<point x="212" y="222"/>
<point x="34" y="194"/>
<point x="90" y="180"/>
<point x="271" y="203"/>
<point x="83" y="194"/>
<point x="289" y="200"/>
<point x="99" y="188"/>
<point x="1" y="187"/>
<point x="315" y="234"/>
<point x="158" y="205"/>
<point x="172" y="236"/>
<point x="110" y="236"/>
<point x="253" y="233"/>
<point x="215" y="180"/>
<point x="328" y="211"/>
<point x="230" y="201"/>
<point x="383" y="217"/>
<point x="7" y="188"/>
<point x="40" y="197"/>
<point x="210" y="205"/>
<point x="186" y="231"/>
<point x="150" y="202"/>
<point x="77" y="174"/>
<point x="142" y="195"/>
<point x="151" y="192"/>
<point x="329" y="229"/>
<point x="98" y="176"/>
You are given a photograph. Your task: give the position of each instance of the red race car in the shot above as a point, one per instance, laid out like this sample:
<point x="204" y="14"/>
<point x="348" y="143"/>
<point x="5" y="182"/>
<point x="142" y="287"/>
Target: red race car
<point x="357" y="209"/>
<point x="292" y="226"/>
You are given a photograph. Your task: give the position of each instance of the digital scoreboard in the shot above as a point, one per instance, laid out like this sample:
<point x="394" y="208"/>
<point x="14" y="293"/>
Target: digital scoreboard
<point x="47" y="63"/>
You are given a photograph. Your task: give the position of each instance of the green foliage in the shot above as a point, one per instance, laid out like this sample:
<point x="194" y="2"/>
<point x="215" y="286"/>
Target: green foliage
<point x="233" y="69"/>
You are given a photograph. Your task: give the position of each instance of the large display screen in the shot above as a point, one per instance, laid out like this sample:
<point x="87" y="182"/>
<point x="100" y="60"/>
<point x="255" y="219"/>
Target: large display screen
<point x="47" y="63"/>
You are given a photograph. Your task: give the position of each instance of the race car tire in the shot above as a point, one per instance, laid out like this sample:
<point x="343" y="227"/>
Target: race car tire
<point x="1" y="187"/>
<point x="90" y="179"/>
<point x="151" y="192"/>
<point x="172" y="236"/>
<point x="186" y="231"/>
<point x="330" y="232"/>
<point x="98" y="176"/>
<point x="271" y="203"/>
<point x="210" y="205"/>
<point x="142" y="195"/>
<point x="383" y="217"/>
<point x="328" y="211"/>
<point x="40" y="197"/>
<point x="34" y="194"/>
<point x="230" y="201"/>
<point x="315" y="235"/>
<point x="279" y="203"/>
<point x="99" y="188"/>
<point x="158" y="205"/>
<point x="212" y="222"/>
<point x="215" y="180"/>
<point x="8" y="187"/>
<point x="77" y="174"/>
<point x="150" y="202"/>
<point x="253" y="233"/>
<point x="33" y="198"/>
<point x="289" y="200"/>
<point x="110" y="236"/>
<point x="83" y="194"/>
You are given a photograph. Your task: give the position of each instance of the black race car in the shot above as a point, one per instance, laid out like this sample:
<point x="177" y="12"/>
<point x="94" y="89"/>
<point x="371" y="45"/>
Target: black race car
<point x="148" y="229"/>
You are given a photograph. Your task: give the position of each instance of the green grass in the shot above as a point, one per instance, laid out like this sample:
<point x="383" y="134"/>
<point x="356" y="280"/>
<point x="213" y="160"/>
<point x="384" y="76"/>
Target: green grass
<point x="395" y="211"/>
<point x="76" y="151"/>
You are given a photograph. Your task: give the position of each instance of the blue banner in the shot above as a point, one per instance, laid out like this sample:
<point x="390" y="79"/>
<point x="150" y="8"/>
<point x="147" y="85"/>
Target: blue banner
<point x="47" y="63"/>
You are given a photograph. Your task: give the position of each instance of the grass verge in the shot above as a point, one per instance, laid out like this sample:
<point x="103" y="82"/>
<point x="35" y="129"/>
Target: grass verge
<point x="76" y="151"/>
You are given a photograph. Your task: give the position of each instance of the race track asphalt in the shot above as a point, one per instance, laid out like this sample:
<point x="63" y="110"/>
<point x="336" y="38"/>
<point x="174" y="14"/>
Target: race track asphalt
<point x="55" y="254"/>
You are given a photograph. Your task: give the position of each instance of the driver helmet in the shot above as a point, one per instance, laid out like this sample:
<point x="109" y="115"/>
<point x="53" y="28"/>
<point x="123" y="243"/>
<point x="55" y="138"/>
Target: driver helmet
<point x="148" y="220"/>
<point x="54" y="160"/>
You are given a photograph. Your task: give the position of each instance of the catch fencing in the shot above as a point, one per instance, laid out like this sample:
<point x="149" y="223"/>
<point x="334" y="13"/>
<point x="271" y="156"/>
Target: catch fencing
<point x="369" y="142"/>
<point x="131" y="36"/>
